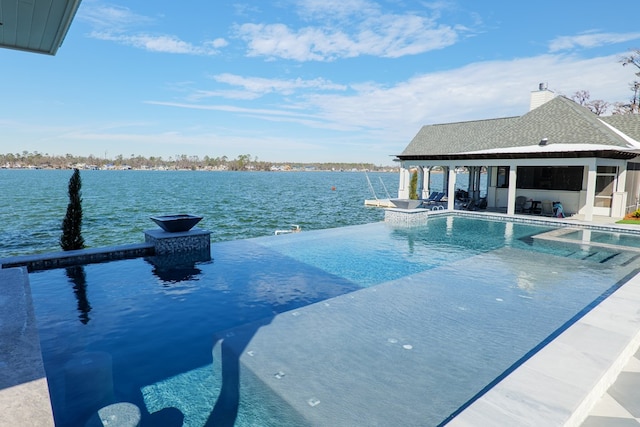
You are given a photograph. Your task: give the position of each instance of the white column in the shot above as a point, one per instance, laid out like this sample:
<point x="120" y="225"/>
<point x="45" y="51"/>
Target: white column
<point x="491" y="185"/>
<point x="591" y="190"/>
<point x="420" y="183"/>
<point x="477" y="186"/>
<point x="621" y="188"/>
<point x="511" y="198"/>
<point x="445" y="178"/>
<point x="621" y="180"/>
<point x="426" y="182"/>
<point x="451" y="191"/>
<point x="403" y="186"/>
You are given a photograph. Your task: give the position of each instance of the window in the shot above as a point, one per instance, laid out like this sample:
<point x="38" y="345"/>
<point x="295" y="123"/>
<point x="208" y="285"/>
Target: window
<point x="503" y="177"/>
<point x="605" y="185"/>
<point x="568" y="178"/>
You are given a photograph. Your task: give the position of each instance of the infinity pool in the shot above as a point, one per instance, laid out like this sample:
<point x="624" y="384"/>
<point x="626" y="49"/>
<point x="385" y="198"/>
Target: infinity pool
<point x="360" y="325"/>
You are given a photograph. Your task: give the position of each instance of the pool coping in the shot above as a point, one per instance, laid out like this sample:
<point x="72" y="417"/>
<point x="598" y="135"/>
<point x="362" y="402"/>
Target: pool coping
<point x="561" y="383"/>
<point x="81" y="256"/>
<point x="522" y="397"/>
<point x="24" y="390"/>
<point x="564" y="380"/>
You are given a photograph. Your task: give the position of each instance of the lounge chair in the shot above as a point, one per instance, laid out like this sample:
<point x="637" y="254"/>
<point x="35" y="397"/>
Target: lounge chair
<point x="471" y="206"/>
<point x="547" y="208"/>
<point x="462" y="196"/>
<point x="431" y="197"/>
<point x="520" y="202"/>
<point x="435" y="200"/>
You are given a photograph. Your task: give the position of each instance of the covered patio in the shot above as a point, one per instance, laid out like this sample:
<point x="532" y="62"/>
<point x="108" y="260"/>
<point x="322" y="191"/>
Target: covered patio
<point x="557" y="152"/>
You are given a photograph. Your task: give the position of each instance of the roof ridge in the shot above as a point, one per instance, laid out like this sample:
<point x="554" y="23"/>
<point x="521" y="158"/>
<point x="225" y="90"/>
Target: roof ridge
<point x="594" y="119"/>
<point x="561" y="120"/>
<point x="473" y="121"/>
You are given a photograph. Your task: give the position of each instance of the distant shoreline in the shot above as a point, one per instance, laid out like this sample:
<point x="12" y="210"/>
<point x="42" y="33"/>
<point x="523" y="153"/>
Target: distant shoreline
<point x="204" y="169"/>
<point x="244" y="162"/>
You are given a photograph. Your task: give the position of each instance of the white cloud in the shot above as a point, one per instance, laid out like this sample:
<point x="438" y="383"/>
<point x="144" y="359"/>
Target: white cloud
<point x="286" y="87"/>
<point x="248" y="88"/>
<point x="398" y="36"/>
<point x="590" y="40"/>
<point x="333" y="29"/>
<point x="111" y="18"/>
<point x="368" y="120"/>
<point x="161" y="43"/>
<point x="347" y="29"/>
<point x="119" y="24"/>
<point x="476" y="91"/>
<point x="394" y="113"/>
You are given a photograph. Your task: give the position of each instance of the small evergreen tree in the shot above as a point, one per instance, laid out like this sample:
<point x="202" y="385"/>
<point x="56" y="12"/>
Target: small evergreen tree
<point x="413" y="186"/>
<point x="72" y="224"/>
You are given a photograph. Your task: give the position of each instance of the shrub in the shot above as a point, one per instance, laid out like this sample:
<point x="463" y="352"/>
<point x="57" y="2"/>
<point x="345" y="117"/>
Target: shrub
<point x="71" y="238"/>
<point x="413" y="186"/>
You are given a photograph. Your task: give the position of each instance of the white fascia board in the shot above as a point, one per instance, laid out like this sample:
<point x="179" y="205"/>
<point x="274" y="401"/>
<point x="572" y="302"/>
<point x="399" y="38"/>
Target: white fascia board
<point x="632" y="142"/>
<point x="553" y="148"/>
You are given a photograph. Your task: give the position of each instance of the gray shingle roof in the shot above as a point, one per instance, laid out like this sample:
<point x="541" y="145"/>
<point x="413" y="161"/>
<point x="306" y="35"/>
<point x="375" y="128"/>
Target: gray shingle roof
<point x="560" y="120"/>
<point x="626" y="123"/>
<point x="451" y="138"/>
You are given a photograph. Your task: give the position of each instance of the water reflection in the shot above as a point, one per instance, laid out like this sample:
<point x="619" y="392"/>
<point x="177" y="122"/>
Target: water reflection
<point x="178" y="267"/>
<point x="78" y="277"/>
<point x="228" y="347"/>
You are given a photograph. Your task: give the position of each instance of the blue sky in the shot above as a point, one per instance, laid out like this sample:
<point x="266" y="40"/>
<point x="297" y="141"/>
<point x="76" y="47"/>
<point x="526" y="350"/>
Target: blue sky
<point x="305" y="80"/>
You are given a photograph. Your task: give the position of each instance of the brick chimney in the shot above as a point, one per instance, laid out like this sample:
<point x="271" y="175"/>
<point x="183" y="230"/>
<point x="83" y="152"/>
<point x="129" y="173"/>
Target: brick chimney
<point x="540" y="96"/>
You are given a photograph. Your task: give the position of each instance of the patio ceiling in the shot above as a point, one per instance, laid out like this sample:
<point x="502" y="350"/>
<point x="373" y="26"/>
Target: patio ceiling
<point x="35" y="25"/>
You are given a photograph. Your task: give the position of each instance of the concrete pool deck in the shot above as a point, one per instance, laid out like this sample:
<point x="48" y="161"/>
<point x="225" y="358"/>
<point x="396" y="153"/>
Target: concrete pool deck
<point x="564" y="384"/>
<point x="24" y="393"/>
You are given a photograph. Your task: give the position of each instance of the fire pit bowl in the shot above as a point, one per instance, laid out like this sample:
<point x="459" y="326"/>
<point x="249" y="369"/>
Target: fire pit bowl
<point x="176" y="223"/>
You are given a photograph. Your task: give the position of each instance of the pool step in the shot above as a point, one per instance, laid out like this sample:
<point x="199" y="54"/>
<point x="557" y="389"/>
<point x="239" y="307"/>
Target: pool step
<point x="604" y="257"/>
<point x="609" y="256"/>
<point x="618" y="254"/>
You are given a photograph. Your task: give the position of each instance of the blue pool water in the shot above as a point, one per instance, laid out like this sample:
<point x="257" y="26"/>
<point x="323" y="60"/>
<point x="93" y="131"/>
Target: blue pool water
<point x="619" y="239"/>
<point x="472" y="296"/>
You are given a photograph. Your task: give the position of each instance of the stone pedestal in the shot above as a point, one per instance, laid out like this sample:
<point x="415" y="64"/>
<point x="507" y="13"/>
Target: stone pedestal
<point x="406" y="203"/>
<point x="406" y="217"/>
<point x="195" y="240"/>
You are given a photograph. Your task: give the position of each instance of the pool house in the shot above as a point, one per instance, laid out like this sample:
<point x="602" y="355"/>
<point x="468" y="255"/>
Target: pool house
<point x="558" y="151"/>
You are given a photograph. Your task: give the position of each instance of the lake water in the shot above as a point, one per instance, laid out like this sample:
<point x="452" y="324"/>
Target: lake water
<point x="235" y="205"/>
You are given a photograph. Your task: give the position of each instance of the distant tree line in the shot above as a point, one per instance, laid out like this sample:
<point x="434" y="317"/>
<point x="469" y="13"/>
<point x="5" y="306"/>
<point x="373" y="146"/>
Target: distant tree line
<point x="244" y="162"/>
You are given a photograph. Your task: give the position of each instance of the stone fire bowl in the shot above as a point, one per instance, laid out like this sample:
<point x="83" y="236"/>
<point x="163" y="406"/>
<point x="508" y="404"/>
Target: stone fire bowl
<point x="176" y="223"/>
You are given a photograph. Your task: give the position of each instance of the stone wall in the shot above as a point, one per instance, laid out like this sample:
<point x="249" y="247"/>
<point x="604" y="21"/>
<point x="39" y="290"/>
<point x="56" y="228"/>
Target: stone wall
<point x="171" y="243"/>
<point x="406" y="217"/>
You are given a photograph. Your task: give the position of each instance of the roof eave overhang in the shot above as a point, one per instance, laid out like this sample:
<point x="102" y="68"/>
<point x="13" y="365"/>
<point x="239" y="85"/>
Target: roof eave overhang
<point x="25" y="33"/>
<point x="65" y="24"/>
<point x="605" y="154"/>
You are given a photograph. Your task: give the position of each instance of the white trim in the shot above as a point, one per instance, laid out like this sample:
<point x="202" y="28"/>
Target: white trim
<point x="555" y="148"/>
<point x="631" y="141"/>
<point x="588" y="208"/>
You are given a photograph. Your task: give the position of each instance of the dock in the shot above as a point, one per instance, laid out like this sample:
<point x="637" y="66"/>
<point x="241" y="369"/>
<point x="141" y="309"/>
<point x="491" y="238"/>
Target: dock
<point x="379" y="203"/>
